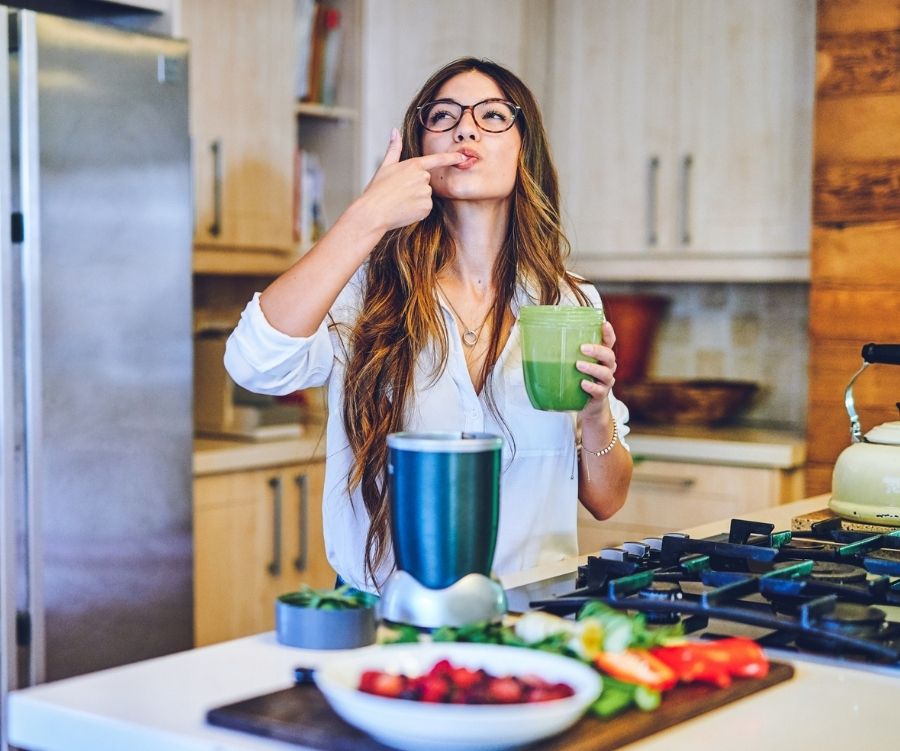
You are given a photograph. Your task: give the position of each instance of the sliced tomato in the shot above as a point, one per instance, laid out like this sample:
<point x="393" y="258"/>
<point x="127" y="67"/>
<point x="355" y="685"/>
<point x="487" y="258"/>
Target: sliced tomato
<point x="637" y="666"/>
<point x="715" y="661"/>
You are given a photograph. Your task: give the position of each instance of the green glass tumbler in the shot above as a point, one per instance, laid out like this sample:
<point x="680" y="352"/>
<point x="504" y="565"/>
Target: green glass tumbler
<point x="552" y="336"/>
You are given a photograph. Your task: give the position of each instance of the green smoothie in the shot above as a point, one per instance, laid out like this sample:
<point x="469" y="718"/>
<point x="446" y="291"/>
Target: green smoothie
<point x="552" y="336"/>
<point x="554" y="386"/>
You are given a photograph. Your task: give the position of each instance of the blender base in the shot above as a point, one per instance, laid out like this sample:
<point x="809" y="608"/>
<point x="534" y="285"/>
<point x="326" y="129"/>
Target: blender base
<point x="472" y="599"/>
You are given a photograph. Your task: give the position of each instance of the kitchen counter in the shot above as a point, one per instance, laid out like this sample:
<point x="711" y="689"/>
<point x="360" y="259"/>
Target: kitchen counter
<point x="732" y="445"/>
<point x="213" y="456"/>
<point x="160" y="704"/>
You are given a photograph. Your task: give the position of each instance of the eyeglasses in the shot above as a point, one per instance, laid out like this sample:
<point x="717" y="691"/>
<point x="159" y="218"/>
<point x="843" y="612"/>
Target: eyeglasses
<point x="491" y="115"/>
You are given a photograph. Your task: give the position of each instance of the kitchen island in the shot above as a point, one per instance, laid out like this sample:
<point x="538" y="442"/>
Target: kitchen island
<point x="160" y="704"/>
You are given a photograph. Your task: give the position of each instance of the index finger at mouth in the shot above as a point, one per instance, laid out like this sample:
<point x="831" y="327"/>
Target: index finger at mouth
<point x="445" y="159"/>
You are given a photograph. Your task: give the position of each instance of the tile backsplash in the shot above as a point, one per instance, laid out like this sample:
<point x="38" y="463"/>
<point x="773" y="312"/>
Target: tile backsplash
<point x="755" y="332"/>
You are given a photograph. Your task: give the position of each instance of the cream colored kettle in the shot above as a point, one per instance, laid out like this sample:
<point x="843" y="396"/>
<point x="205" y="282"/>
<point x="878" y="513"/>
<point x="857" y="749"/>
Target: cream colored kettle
<point x="865" y="486"/>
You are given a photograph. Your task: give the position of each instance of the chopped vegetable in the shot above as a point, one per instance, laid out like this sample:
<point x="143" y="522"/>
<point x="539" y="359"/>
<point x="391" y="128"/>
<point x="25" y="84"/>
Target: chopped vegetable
<point x="715" y="662"/>
<point x="617" y="696"/>
<point x="342" y="598"/>
<point x="637" y="666"/>
<point x="621" y="630"/>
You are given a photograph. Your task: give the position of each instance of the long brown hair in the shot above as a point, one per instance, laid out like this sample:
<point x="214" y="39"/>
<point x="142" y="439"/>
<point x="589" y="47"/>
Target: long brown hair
<point x="401" y="312"/>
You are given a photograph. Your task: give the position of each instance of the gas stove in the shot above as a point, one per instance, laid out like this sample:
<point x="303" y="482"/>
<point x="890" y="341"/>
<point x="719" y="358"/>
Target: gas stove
<point x="825" y="594"/>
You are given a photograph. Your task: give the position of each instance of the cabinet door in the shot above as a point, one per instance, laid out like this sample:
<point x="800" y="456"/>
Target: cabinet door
<point x="745" y="126"/>
<point x="668" y="496"/>
<point x="238" y="553"/>
<point x="242" y="63"/>
<point x="304" y="559"/>
<point x="611" y="121"/>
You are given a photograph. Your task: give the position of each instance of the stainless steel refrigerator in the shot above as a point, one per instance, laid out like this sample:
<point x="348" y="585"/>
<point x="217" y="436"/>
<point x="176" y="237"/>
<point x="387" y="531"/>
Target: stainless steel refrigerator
<point x="95" y="346"/>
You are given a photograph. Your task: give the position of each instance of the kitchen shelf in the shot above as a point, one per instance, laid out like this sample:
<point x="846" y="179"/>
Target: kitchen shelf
<point x="241" y="262"/>
<point x="325" y="112"/>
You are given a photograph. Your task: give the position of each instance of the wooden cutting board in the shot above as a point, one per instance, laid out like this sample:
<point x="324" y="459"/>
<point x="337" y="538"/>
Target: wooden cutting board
<point x="301" y="715"/>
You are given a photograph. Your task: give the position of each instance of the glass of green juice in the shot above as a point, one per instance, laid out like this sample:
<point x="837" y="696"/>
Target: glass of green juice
<point x="552" y="336"/>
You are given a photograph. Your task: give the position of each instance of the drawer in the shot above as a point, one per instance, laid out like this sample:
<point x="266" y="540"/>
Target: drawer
<point x="668" y="496"/>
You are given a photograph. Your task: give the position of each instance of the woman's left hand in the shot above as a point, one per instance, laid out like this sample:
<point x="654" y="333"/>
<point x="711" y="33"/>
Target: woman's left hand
<point x="602" y="371"/>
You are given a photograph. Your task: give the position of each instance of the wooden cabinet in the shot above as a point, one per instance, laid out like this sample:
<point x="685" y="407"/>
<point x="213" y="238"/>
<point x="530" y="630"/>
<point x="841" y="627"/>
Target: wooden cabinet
<point x="682" y="132"/>
<point x="666" y="496"/>
<point x="242" y="67"/>
<point x="257" y="534"/>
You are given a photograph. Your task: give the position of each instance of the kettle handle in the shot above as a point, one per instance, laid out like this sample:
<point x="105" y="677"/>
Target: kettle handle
<point x="884" y="354"/>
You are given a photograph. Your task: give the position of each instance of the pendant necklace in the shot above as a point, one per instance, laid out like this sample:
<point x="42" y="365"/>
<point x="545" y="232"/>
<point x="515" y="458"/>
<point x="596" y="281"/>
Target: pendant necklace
<point x="470" y="336"/>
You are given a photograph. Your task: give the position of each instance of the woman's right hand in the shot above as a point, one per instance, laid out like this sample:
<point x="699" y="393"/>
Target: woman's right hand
<point x="400" y="192"/>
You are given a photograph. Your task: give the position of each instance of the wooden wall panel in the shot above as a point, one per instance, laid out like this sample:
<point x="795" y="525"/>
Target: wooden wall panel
<point x="859" y="62"/>
<point x="818" y="478"/>
<point x="857" y="128"/>
<point x="862" y="191"/>
<point x="860" y="254"/>
<point x="829" y="431"/>
<point x="860" y="314"/>
<point x="857" y="15"/>
<point x="832" y="365"/>
<point x="855" y="268"/>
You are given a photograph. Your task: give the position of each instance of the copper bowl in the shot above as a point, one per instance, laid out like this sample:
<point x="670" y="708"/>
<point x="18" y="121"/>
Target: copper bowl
<point x="697" y="401"/>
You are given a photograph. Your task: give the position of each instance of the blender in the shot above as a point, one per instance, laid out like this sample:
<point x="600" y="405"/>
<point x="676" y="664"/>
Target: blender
<point x="444" y="495"/>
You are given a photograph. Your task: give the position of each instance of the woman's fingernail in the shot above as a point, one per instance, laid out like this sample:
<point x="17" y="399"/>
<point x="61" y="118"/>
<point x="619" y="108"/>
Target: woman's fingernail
<point x="580" y="364"/>
<point x="585" y="349"/>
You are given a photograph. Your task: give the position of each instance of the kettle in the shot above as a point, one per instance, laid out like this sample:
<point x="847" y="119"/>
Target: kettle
<point x="865" y="486"/>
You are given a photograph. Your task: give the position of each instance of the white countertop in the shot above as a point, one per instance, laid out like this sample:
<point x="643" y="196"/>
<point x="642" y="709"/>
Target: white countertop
<point x="160" y="704"/>
<point x="732" y="445"/>
<point x="214" y="456"/>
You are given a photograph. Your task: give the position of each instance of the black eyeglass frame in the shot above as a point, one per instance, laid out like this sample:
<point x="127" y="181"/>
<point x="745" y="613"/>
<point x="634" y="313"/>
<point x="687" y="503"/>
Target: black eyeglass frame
<point x="516" y="109"/>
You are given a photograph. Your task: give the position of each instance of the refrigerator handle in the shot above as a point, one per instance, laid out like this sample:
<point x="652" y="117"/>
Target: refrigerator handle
<point x="215" y="228"/>
<point x="274" y="567"/>
<point x="302" y="481"/>
<point x="32" y="336"/>
<point x="9" y="667"/>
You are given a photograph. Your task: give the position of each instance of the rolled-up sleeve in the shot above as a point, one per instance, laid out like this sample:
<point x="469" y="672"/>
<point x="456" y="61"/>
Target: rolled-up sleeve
<point x="264" y="360"/>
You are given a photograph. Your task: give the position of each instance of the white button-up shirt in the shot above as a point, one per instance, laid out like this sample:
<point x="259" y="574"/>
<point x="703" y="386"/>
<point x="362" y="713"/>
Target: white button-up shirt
<point x="539" y="481"/>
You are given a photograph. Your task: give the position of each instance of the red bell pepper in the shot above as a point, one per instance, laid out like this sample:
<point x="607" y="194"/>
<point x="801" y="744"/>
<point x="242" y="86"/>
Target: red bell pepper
<point x="715" y="661"/>
<point x="637" y="666"/>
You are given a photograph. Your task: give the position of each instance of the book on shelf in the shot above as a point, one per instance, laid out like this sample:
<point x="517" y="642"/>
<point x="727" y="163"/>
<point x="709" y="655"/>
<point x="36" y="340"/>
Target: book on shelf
<point x="317" y="35"/>
<point x="309" y="196"/>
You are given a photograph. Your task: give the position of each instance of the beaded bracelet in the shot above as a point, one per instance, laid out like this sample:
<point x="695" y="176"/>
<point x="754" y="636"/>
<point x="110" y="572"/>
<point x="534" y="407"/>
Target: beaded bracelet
<point x="609" y="446"/>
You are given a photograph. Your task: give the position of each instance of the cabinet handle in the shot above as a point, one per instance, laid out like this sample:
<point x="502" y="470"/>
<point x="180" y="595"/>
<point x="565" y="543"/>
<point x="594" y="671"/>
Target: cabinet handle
<point x="681" y="483"/>
<point x="686" y="163"/>
<point x="274" y="566"/>
<point x="652" y="191"/>
<point x="215" y="228"/>
<point x="303" y="549"/>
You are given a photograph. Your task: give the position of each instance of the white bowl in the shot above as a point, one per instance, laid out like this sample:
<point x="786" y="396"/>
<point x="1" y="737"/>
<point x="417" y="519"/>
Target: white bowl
<point x="407" y="724"/>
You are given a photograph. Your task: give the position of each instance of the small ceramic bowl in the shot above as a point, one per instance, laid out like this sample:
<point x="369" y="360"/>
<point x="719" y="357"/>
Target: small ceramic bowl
<point x="313" y="628"/>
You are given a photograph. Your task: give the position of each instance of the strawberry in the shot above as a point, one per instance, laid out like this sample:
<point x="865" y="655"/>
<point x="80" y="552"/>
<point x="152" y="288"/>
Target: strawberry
<point x="434" y="689"/>
<point x="442" y="667"/>
<point x="464" y="678"/>
<point x="504" y="690"/>
<point x="391" y="686"/>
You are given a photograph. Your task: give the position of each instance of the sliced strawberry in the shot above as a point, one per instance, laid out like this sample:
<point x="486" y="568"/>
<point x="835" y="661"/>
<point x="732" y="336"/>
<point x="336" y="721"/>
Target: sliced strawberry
<point x="434" y="689"/>
<point x="442" y="667"/>
<point x="391" y="686"/>
<point x="505" y="690"/>
<point x="464" y="678"/>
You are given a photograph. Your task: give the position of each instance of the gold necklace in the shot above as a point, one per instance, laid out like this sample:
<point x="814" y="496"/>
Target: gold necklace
<point x="470" y="335"/>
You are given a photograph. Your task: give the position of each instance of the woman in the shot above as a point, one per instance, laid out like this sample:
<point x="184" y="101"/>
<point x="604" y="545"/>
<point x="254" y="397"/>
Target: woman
<point x="407" y="309"/>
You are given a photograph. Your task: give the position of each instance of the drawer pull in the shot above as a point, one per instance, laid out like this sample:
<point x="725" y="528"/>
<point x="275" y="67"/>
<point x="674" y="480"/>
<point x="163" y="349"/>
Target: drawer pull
<point x="681" y="483"/>
<point x="274" y="567"/>
<point x="303" y="548"/>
